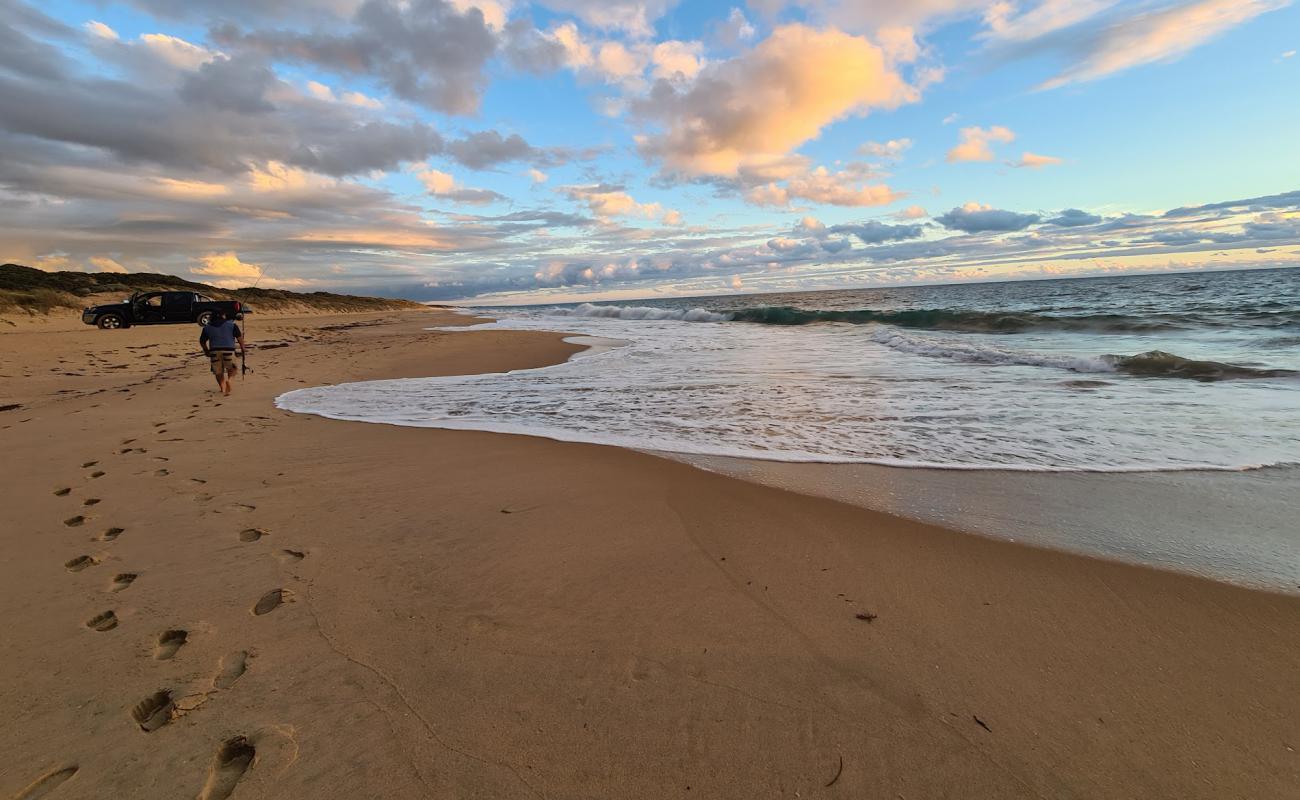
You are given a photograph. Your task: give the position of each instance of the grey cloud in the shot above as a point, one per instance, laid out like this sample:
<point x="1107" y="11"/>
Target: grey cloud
<point x="137" y="123"/>
<point x="238" y="85"/>
<point x="873" y="232"/>
<point x="528" y="50"/>
<point x="23" y="55"/>
<point x="424" y="51"/>
<point x="1073" y="218"/>
<point x="985" y="219"/>
<point x="1283" y="200"/>
<point x="489" y="148"/>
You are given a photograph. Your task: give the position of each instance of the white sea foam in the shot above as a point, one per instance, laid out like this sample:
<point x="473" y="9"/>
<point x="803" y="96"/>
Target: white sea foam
<point x="843" y="393"/>
<point x="642" y="312"/>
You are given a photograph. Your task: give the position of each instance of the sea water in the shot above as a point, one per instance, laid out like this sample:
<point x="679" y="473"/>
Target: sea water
<point x="1113" y="374"/>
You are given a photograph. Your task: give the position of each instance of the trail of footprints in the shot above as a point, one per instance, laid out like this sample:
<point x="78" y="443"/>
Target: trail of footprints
<point x="236" y="755"/>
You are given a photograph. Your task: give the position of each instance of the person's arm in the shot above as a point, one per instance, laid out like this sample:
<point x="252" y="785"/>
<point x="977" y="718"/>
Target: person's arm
<point x="239" y="337"/>
<point x="203" y="341"/>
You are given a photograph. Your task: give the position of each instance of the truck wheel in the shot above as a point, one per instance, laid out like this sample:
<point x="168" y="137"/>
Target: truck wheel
<point x="204" y="318"/>
<point x="110" y="321"/>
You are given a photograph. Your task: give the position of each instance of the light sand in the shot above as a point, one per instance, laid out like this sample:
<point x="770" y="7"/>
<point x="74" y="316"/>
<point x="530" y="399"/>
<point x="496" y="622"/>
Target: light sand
<point x="461" y="614"/>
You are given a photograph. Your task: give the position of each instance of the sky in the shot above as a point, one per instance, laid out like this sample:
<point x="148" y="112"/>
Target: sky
<point x="501" y="151"/>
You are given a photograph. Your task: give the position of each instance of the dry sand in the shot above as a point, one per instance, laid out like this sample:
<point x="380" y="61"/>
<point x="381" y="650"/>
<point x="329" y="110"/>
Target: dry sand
<point x="207" y="598"/>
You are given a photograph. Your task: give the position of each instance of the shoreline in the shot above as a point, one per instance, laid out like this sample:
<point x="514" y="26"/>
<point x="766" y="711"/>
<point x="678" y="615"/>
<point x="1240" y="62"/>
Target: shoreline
<point x="1159" y="518"/>
<point x="503" y="616"/>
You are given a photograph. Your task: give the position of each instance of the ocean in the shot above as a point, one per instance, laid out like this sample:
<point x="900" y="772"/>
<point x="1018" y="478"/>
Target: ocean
<point x="1114" y="374"/>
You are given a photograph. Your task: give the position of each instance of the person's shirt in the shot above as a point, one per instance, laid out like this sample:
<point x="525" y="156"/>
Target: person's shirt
<point x="220" y="335"/>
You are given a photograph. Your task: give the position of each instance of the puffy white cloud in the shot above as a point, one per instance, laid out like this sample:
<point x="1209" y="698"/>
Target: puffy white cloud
<point x="676" y="60"/>
<point x="176" y="51"/>
<point x="820" y="185"/>
<point x="226" y="265"/>
<point x="1035" y="161"/>
<point x="99" y="29"/>
<point x="912" y="212"/>
<point x="606" y="201"/>
<point x="975" y="143"/>
<point x="442" y="184"/>
<point x="763" y="103"/>
<point x="537" y="175"/>
<point x="892" y="149"/>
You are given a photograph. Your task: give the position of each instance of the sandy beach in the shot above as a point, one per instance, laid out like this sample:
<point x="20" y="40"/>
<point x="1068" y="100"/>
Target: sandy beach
<point x="215" y="598"/>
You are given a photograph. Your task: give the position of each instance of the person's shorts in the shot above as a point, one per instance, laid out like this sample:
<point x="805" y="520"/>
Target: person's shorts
<point x="222" y="361"/>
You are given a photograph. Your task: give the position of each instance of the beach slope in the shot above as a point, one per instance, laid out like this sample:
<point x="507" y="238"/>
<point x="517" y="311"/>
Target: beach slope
<point x="208" y="598"/>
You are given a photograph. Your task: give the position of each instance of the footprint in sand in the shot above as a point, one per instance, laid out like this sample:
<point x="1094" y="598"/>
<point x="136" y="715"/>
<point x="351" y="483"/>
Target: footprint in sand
<point x="92" y="501"/>
<point x="231" y="668"/>
<point x="197" y="481"/>
<point x="98" y="474"/>
<point x="105" y="621"/>
<point x="79" y="563"/>
<point x="154" y="711"/>
<point x="75" y="522"/>
<point x="161" y="473"/>
<point x="42" y="786"/>
<point x="89" y="464"/>
<point x="271" y="601"/>
<point x="121" y="581"/>
<point x="251" y="534"/>
<point x="243" y="507"/>
<point x="111" y="534"/>
<point x="169" y="642"/>
<point x="291" y="556"/>
<point x="64" y="492"/>
<point x="233" y="759"/>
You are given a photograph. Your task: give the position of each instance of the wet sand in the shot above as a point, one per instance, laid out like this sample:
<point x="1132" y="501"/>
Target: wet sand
<point x="1240" y="527"/>
<point x="208" y="598"/>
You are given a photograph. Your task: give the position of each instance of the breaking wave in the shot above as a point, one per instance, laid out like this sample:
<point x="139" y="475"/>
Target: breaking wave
<point x="1153" y="363"/>
<point x="941" y="319"/>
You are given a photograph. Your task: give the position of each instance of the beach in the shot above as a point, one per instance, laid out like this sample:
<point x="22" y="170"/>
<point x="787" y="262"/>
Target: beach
<point x="310" y="608"/>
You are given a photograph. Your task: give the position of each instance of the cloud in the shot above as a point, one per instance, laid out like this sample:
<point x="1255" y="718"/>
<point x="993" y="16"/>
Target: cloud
<point x="1150" y="36"/>
<point x="226" y="265"/>
<point x="975" y="143"/>
<point x="1034" y="161"/>
<point x="106" y="264"/>
<point x="734" y="31"/>
<point x="892" y="149"/>
<point x="537" y="176"/>
<point x="424" y="51"/>
<point x="820" y="185"/>
<point x="1073" y="218"/>
<point x="1006" y="25"/>
<point x="633" y="16"/>
<point x="606" y="201"/>
<point x="674" y="60"/>
<point x="99" y="29"/>
<point x="765" y="102"/>
<point x="873" y="232"/>
<point x="230" y="85"/>
<point x="441" y="184"/>
<point x="976" y="218"/>
<point x="912" y="212"/>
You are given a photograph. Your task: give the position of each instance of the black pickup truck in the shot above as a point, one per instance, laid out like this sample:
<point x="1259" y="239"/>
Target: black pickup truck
<point x="161" y="308"/>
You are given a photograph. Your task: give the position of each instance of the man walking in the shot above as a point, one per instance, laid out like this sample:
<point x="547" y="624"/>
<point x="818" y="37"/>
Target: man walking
<point x="218" y="342"/>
